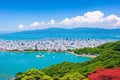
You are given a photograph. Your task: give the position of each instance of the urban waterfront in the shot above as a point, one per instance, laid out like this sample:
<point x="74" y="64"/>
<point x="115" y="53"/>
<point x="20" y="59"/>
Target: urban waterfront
<point x="50" y="44"/>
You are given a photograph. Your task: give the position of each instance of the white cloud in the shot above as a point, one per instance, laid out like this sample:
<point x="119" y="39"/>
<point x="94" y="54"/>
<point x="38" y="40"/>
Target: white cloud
<point x="38" y="25"/>
<point x="94" y="19"/>
<point x="43" y="24"/>
<point x="52" y="22"/>
<point x="34" y="24"/>
<point x="67" y="22"/>
<point x="118" y="23"/>
<point x="21" y="26"/>
<point x="89" y="17"/>
<point x="111" y="17"/>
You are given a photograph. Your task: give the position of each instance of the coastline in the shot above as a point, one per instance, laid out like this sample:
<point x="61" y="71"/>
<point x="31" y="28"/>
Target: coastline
<point x="71" y="52"/>
<point x="83" y="55"/>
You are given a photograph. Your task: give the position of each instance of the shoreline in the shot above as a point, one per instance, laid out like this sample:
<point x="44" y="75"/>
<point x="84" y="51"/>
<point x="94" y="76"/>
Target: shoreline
<point x="83" y="55"/>
<point x="71" y="52"/>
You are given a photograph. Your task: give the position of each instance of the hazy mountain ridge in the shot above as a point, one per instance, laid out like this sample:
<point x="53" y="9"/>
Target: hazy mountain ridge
<point x="94" y="33"/>
<point x="75" y="30"/>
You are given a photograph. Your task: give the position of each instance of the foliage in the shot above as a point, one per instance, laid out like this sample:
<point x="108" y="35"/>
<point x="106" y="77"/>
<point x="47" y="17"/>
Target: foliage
<point x="88" y="51"/>
<point x="105" y="74"/>
<point x="61" y="69"/>
<point x="114" y="46"/>
<point x="32" y="74"/>
<point x="73" y="76"/>
<point x="109" y="58"/>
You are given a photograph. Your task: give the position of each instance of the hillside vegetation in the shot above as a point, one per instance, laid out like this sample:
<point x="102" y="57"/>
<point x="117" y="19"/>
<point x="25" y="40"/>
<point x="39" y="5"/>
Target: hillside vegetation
<point x="109" y="57"/>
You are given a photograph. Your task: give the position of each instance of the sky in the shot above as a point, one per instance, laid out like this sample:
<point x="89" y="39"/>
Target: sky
<point x="19" y="15"/>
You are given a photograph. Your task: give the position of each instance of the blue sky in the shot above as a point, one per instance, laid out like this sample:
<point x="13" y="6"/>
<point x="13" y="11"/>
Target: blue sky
<point x="40" y="14"/>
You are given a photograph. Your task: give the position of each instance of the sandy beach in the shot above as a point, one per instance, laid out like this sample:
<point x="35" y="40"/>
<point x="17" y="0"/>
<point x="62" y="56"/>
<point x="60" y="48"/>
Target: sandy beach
<point x="84" y="55"/>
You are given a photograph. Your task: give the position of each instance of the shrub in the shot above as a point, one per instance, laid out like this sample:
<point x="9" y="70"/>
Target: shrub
<point x="105" y="74"/>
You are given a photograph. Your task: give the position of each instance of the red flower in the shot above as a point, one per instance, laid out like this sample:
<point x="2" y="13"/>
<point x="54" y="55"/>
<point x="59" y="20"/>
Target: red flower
<point x="105" y="74"/>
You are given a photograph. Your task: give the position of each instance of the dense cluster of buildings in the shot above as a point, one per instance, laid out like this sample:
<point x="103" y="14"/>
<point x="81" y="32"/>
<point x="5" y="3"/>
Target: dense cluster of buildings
<point x="49" y="44"/>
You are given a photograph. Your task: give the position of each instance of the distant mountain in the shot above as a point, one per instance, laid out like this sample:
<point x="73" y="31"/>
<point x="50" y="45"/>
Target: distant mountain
<point x="75" y="30"/>
<point x="94" y="33"/>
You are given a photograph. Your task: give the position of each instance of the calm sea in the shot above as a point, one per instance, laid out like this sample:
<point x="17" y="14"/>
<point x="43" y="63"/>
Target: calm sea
<point x="14" y="62"/>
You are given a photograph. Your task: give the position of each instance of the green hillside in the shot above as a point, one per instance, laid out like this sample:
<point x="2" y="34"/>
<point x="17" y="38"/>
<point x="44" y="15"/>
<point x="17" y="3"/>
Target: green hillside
<point x="109" y="57"/>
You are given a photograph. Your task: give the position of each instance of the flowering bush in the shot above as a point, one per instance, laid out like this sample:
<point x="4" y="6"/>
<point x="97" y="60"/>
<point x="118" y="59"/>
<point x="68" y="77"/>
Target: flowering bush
<point x="105" y="74"/>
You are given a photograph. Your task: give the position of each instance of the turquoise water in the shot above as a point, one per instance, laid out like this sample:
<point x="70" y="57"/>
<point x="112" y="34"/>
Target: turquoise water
<point x="14" y="62"/>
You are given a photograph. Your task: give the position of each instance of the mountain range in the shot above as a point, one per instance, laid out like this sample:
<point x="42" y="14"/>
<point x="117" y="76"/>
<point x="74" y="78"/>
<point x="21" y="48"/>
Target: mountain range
<point x="75" y="30"/>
